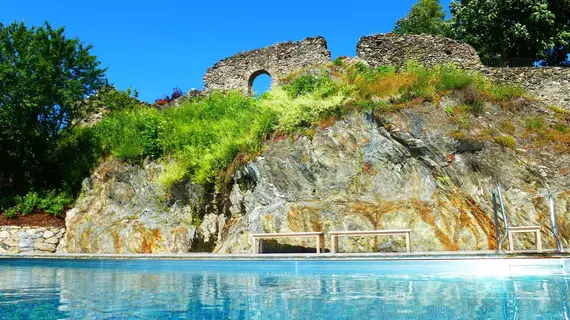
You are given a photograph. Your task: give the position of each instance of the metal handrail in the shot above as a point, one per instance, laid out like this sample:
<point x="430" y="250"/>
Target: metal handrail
<point x="505" y="221"/>
<point x="519" y="63"/>
<point x="496" y="216"/>
<point x="559" y="246"/>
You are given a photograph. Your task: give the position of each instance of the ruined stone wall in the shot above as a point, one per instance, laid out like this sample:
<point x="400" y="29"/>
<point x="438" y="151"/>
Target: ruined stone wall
<point x="279" y="60"/>
<point x="548" y="84"/>
<point x="393" y="50"/>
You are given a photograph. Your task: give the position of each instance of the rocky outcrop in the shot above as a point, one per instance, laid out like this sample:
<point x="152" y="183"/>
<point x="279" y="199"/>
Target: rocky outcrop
<point x="392" y="173"/>
<point x="14" y="239"/>
<point x="392" y="170"/>
<point x="123" y="210"/>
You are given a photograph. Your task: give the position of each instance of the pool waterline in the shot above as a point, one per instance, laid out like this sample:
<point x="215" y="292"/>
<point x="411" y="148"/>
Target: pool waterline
<point x="495" y="288"/>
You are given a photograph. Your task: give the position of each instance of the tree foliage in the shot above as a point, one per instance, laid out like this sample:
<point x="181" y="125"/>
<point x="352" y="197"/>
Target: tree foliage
<point x="44" y="77"/>
<point x="538" y="29"/>
<point x="426" y="16"/>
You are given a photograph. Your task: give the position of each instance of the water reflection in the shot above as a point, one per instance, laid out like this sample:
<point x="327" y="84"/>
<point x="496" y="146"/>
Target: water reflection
<point x="54" y="292"/>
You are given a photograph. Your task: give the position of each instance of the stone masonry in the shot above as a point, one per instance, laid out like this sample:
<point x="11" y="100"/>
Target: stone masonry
<point x="240" y="70"/>
<point x="548" y="84"/>
<point x="15" y="239"/>
<point x="393" y="50"/>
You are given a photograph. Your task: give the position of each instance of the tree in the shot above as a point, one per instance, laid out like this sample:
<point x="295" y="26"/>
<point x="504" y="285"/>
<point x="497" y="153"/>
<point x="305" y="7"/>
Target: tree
<point x="44" y="76"/>
<point x="537" y="29"/>
<point x="426" y="16"/>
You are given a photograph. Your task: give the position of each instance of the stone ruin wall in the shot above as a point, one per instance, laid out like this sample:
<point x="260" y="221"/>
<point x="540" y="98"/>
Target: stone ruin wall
<point x="552" y="85"/>
<point x="238" y="71"/>
<point x="548" y="84"/>
<point x="393" y="50"/>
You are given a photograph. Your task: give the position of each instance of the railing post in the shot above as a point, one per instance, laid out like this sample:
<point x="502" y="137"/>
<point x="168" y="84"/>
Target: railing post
<point x="496" y="216"/>
<point x="559" y="246"/>
<point x="505" y="222"/>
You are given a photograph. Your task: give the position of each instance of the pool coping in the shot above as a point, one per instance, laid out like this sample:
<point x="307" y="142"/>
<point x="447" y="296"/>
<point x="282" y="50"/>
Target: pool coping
<point x="443" y="255"/>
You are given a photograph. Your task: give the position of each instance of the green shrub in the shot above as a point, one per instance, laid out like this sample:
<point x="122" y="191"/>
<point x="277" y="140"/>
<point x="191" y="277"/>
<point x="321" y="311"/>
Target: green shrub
<point x="11" y="212"/>
<point x="559" y="110"/>
<point x="506" y="141"/>
<point x="338" y="62"/>
<point x="502" y="92"/>
<point x="132" y="134"/>
<point x="54" y="202"/>
<point x="29" y="203"/>
<point x="199" y="138"/>
<point x="535" y="124"/>
<point x="508" y="127"/>
<point x="561" y="127"/>
<point x="303" y="110"/>
<point x="79" y="151"/>
<point x="322" y="85"/>
<point x="476" y="108"/>
<point x="449" y="111"/>
<point x="451" y="77"/>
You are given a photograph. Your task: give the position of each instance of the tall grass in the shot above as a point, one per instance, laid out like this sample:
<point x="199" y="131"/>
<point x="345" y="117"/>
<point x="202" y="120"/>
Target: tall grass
<point x="199" y="138"/>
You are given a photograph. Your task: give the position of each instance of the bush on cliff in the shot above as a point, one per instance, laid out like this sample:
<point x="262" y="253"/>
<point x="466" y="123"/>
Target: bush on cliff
<point x="199" y="138"/>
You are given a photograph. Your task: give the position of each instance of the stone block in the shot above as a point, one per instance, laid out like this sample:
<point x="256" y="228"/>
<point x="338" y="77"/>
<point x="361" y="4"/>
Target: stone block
<point x="10" y="242"/>
<point x="45" y="247"/>
<point x="48" y="234"/>
<point x="4" y="234"/>
<point x="25" y="243"/>
<point x="26" y="249"/>
<point x="53" y="240"/>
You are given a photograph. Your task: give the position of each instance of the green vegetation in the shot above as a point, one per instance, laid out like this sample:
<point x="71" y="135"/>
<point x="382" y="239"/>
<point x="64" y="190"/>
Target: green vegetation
<point x="198" y="139"/>
<point x="532" y="29"/>
<point x="506" y="141"/>
<point x="535" y="124"/>
<point x="45" y="80"/>
<point x="426" y="16"/>
<point x="506" y="30"/>
<point x="505" y="92"/>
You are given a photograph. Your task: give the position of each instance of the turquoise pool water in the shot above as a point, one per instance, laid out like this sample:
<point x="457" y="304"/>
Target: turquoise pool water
<point x="144" y="289"/>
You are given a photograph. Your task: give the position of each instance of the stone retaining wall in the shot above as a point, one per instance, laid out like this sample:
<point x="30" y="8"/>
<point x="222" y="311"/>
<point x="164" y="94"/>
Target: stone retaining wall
<point x="29" y="239"/>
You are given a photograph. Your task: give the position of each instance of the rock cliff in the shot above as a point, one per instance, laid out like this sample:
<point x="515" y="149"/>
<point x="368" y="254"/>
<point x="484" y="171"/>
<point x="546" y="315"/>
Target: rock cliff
<point x="417" y="168"/>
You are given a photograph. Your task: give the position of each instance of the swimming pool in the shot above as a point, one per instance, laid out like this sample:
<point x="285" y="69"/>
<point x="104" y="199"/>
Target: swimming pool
<point x="289" y="289"/>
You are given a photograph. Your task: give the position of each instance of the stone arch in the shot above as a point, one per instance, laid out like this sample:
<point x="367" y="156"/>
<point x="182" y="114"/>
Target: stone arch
<point x="253" y="77"/>
<point x="279" y="60"/>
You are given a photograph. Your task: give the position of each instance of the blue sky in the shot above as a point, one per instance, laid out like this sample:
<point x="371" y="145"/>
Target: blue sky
<point x="154" y="46"/>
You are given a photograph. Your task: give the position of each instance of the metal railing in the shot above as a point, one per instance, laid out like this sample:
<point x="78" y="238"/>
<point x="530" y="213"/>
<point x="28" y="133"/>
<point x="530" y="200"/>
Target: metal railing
<point x="498" y="204"/>
<point x="518" y="63"/>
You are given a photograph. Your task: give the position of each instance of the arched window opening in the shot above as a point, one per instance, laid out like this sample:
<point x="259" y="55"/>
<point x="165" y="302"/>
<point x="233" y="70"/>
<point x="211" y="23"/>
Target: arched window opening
<point x="259" y="83"/>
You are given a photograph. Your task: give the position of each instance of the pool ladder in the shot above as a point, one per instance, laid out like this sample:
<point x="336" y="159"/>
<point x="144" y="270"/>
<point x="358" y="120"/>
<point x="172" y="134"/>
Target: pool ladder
<point x="497" y="194"/>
